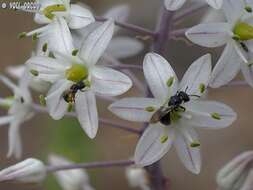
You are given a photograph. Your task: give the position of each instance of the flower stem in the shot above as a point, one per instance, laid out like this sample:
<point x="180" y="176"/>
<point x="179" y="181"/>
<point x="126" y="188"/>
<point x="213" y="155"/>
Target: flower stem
<point x="105" y="122"/>
<point x="157" y="178"/>
<point x="128" y="26"/>
<point x="104" y="164"/>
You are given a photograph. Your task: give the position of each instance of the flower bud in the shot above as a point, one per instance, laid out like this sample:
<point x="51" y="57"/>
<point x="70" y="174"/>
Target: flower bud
<point x="76" y="179"/>
<point x="137" y="177"/>
<point x="28" y="171"/>
<point x="237" y="174"/>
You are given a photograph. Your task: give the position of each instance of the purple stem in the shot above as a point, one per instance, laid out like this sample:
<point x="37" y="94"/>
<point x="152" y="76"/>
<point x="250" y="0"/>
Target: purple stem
<point x="103" y="164"/>
<point x="157" y="178"/>
<point x="105" y="122"/>
<point x="131" y="27"/>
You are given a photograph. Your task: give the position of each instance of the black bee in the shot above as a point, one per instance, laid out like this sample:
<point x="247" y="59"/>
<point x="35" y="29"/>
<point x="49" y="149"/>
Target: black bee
<point x="69" y="96"/>
<point x="163" y="114"/>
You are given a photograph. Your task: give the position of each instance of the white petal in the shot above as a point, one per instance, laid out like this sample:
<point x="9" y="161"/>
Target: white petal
<point x="203" y="114"/>
<point x="109" y="82"/>
<point x="119" y="13"/>
<point x="173" y="5"/>
<point x="69" y="179"/>
<point x="124" y="47"/>
<point x="16" y="71"/>
<point x="217" y="4"/>
<point x="209" y="34"/>
<point x="96" y="42"/>
<point x="226" y="68"/>
<point x="60" y="38"/>
<point x="197" y="76"/>
<point x="39" y="17"/>
<point x="49" y="69"/>
<point x="56" y="105"/>
<point x="15" y="146"/>
<point x="247" y="71"/>
<point x="150" y="147"/>
<point x="86" y="109"/>
<point x="157" y="72"/>
<point x="9" y="84"/>
<point x="134" y="109"/>
<point x="189" y="156"/>
<point x="79" y="17"/>
<point x="6" y="119"/>
<point x="234" y="172"/>
<point x="248" y="183"/>
<point x="233" y="10"/>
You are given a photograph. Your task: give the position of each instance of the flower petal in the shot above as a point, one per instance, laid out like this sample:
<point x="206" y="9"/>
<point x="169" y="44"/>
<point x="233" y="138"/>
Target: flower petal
<point x="173" y="5"/>
<point x="151" y="146"/>
<point x="79" y="17"/>
<point x="135" y="109"/>
<point x="247" y="71"/>
<point x="6" y="119"/>
<point x="210" y="114"/>
<point x="119" y="13"/>
<point x="124" y="47"/>
<point x="96" y="42"/>
<point x="217" y="4"/>
<point x="60" y="38"/>
<point x="86" y="109"/>
<point x="188" y="155"/>
<point x="70" y="179"/>
<point x="233" y="10"/>
<point x="15" y="146"/>
<point x="109" y="82"/>
<point x="226" y="68"/>
<point x="209" y="34"/>
<point x="158" y="72"/>
<point x="232" y="174"/>
<point x="196" y="78"/>
<point x="56" y="105"/>
<point x="49" y="69"/>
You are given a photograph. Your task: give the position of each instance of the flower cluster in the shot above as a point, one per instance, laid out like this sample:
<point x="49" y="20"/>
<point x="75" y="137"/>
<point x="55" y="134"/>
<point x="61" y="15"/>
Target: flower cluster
<point x="77" y="59"/>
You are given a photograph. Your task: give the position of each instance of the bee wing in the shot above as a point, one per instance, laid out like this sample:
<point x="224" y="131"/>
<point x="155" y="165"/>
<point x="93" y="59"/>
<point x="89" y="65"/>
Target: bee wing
<point x="159" y="114"/>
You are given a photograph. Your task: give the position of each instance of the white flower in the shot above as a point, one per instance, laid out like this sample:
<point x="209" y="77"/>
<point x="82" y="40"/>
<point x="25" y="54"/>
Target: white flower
<point x="236" y="34"/>
<point x="60" y="16"/>
<point x="28" y="171"/>
<point x="75" y="15"/>
<point x="120" y="47"/>
<point x="36" y="84"/>
<point x="77" y="179"/>
<point x="137" y="177"/>
<point x="171" y="115"/>
<point x="237" y="174"/>
<point x="173" y="5"/>
<point x="20" y="110"/>
<point x="76" y="79"/>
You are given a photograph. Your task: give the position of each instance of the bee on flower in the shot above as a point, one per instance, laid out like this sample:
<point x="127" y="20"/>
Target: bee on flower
<point x="174" y="112"/>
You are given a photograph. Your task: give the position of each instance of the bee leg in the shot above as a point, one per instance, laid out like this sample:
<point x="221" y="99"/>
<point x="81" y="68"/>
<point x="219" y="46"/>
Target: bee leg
<point x="182" y="108"/>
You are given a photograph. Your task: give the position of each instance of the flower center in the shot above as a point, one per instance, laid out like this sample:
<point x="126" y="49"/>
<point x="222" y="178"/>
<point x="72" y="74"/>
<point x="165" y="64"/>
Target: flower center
<point x="76" y="73"/>
<point x="243" y="31"/>
<point x="49" y="10"/>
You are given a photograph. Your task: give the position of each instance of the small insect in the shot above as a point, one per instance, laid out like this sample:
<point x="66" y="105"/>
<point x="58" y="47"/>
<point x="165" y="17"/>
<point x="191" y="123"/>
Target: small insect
<point x="163" y="114"/>
<point x="69" y="96"/>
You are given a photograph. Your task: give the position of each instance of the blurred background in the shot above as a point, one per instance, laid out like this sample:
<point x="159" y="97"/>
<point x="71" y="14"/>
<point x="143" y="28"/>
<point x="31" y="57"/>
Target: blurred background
<point x="42" y="135"/>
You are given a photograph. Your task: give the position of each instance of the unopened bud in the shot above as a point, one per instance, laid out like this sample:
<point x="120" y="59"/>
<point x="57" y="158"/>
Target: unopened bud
<point x="28" y="171"/>
<point x="137" y="177"/>
<point x="238" y="173"/>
